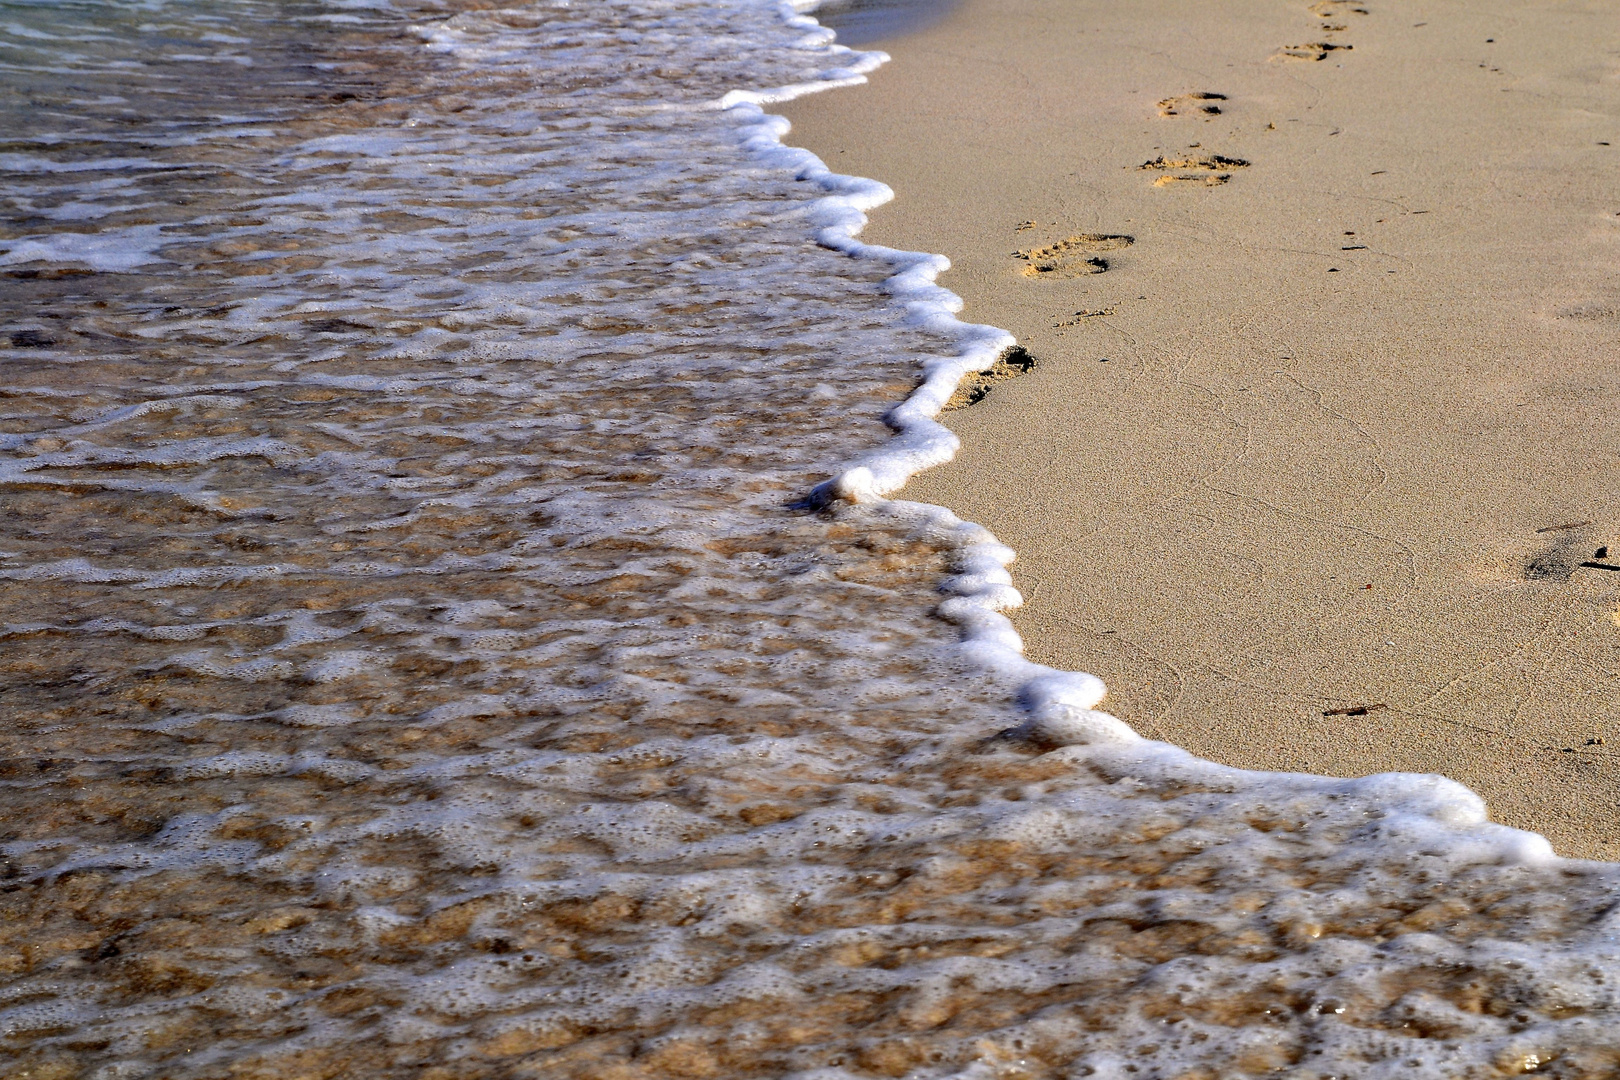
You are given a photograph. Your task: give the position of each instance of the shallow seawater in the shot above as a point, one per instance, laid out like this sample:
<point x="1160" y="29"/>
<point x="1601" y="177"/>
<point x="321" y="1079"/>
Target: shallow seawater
<point x="420" y="657"/>
<point x="858" y="22"/>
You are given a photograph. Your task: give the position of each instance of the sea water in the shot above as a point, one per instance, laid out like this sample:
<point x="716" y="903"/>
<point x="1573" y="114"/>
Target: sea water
<point x="860" y="22"/>
<point x="456" y="623"/>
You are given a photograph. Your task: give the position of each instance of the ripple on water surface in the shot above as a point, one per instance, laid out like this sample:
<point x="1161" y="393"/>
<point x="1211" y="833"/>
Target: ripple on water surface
<point x="414" y="663"/>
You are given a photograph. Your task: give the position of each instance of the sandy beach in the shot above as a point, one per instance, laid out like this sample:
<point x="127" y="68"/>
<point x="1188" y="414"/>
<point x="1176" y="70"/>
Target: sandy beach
<point x="1323" y="425"/>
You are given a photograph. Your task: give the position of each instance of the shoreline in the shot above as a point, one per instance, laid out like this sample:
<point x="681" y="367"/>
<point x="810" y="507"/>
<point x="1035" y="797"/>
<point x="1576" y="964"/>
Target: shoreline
<point x="1288" y="350"/>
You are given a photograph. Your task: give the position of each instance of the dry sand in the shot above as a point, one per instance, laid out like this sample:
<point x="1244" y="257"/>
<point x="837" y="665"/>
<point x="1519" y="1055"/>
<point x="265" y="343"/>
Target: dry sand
<point x="1337" y="425"/>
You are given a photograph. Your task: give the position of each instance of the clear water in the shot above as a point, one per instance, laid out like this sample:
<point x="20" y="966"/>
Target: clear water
<point x="421" y="658"/>
<point x="858" y="22"/>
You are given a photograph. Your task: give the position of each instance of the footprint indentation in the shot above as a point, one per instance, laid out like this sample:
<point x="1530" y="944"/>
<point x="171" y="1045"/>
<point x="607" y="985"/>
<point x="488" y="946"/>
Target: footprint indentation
<point x="1013" y="362"/>
<point x="1199" y="101"/>
<point x="1336" y="9"/>
<point x="1597" y="312"/>
<point x="1201" y="170"/>
<point x="1311" y="51"/>
<point x="1081" y="316"/>
<point x="1075" y="256"/>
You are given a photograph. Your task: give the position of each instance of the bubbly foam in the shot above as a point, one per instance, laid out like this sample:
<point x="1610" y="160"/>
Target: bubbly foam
<point x="433" y="646"/>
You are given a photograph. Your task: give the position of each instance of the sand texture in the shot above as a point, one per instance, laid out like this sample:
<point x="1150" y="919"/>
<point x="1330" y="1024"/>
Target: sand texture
<point x="1323" y="427"/>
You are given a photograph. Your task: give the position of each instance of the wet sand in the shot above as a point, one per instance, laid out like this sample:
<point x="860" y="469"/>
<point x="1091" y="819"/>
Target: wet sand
<point x="1323" y="426"/>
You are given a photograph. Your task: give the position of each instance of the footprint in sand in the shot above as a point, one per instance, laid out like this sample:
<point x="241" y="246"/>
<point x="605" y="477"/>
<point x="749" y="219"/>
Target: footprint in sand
<point x="1013" y="362"/>
<point x="1336" y="9"/>
<point x="1076" y="256"/>
<point x="1312" y="51"/>
<point x="1595" y="312"/>
<point x="1081" y="316"/>
<point x="1199" y="170"/>
<point x="1197" y="102"/>
<point x="1330" y="11"/>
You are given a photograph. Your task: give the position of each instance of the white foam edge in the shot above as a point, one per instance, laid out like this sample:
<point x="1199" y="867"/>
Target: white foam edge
<point x="1420" y="810"/>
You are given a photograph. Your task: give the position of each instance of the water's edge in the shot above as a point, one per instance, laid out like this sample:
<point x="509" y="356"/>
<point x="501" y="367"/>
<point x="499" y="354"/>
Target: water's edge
<point x="1061" y="706"/>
